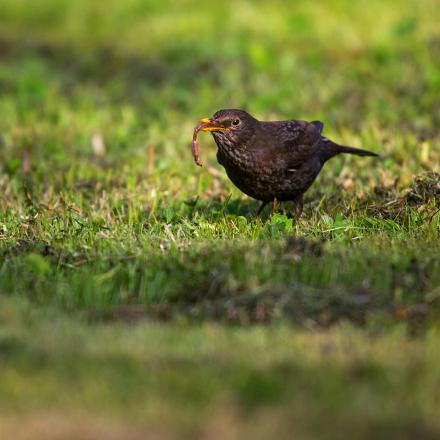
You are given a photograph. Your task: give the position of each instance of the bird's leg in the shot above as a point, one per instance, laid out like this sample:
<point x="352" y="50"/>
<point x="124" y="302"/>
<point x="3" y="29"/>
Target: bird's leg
<point x="260" y="209"/>
<point x="274" y="205"/>
<point x="298" y="206"/>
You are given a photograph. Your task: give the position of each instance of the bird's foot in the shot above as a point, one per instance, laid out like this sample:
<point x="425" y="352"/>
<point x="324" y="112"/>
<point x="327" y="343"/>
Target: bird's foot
<point x="298" y="204"/>
<point x="260" y="209"/>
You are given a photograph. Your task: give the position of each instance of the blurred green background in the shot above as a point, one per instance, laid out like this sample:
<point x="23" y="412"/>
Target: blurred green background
<point x="139" y="296"/>
<point x="142" y="71"/>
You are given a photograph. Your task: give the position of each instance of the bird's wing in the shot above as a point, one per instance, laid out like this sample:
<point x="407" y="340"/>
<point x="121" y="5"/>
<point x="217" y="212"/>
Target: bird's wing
<point x="298" y="139"/>
<point x="319" y="125"/>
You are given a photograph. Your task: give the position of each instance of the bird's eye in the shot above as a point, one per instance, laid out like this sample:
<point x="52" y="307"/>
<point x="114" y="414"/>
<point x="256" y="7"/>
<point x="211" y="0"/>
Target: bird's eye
<point x="235" y="121"/>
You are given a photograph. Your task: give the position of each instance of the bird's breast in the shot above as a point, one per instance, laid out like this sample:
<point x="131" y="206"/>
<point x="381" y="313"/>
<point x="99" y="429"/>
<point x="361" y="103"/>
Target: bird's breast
<point x="250" y="174"/>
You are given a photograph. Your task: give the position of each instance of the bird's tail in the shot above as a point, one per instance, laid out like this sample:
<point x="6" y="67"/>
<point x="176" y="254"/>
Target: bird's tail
<point x="329" y="149"/>
<point x="357" y="151"/>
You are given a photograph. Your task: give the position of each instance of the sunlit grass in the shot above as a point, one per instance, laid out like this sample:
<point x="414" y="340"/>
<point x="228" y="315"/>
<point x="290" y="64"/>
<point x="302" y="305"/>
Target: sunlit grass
<point x="106" y="221"/>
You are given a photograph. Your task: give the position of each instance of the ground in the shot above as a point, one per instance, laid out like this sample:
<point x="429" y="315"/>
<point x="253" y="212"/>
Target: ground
<point x="139" y="295"/>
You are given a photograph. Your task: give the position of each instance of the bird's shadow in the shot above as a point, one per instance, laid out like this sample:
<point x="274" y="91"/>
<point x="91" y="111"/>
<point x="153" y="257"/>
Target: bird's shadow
<point x="247" y="208"/>
<point x="229" y="206"/>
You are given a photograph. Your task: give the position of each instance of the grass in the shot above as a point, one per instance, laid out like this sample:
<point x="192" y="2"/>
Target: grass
<point x="244" y="327"/>
<point x="215" y="380"/>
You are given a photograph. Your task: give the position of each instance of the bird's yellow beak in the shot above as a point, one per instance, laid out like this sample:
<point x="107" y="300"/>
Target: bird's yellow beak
<point x="211" y="125"/>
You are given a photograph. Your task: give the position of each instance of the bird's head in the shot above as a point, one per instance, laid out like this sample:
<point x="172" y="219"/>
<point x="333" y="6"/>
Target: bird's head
<point x="230" y="126"/>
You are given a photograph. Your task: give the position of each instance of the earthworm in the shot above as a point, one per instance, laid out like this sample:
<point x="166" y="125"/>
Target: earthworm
<point x="195" y="143"/>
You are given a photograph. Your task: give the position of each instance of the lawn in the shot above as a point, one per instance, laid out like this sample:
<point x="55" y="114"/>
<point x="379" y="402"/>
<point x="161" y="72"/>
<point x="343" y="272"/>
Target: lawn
<point x="139" y="294"/>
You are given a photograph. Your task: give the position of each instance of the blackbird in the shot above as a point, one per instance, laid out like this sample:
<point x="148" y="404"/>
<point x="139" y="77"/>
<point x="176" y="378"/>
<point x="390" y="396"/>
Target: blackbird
<point x="270" y="161"/>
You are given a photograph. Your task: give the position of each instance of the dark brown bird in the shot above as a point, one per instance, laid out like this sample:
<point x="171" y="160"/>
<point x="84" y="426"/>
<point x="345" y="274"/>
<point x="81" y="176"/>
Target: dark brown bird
<point x="270" y="161"/>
